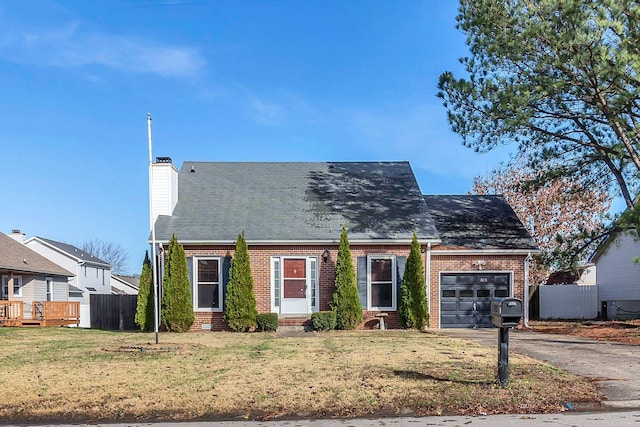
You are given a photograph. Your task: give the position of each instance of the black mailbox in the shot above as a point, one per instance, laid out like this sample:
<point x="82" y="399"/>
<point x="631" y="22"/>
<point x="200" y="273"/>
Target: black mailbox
<point x="506" y="312"/>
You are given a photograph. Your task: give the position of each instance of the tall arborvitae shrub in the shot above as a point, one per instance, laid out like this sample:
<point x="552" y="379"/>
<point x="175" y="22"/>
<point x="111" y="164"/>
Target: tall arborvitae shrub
<point x="144" y="309"/>
<point x="404" y="307"/>
<point x="240" y="303"/>
<point x="413" y="295"/>
<point x="177" y="305"/>
<point x="346" y="301"/>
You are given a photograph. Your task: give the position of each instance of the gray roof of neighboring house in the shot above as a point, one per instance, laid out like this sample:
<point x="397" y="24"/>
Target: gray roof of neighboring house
<point x="16" y="257"/>
<point x="297" y="202"/>
<point x="74" y="251"/>
<point x="478" y="222"/>
<point x="133" y="281"/>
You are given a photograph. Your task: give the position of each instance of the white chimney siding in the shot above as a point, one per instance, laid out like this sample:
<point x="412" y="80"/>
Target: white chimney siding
<point x="165" y="189"/>
<point x="17" y="235"/>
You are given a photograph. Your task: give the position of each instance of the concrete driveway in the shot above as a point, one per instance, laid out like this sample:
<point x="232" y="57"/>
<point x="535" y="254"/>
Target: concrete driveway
<point x="615" y="367"/>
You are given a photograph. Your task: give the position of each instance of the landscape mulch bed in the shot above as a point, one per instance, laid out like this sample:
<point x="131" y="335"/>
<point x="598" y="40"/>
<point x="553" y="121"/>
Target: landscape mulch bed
<point x="626" y="332"/>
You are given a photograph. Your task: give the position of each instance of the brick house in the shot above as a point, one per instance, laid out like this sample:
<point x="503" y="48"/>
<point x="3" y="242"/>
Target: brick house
<point x="474" y="247"/>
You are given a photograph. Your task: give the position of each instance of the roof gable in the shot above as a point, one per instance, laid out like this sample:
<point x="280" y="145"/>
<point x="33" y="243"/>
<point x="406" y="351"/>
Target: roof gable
<point x="297" y="202"/>
<point x="16" y="257"/>
<point x="478" y="222"/>
<point x="72" y="251"/>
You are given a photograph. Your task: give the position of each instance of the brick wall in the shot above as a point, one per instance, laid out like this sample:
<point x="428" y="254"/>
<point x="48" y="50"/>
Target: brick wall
<point x="261" y="271"/>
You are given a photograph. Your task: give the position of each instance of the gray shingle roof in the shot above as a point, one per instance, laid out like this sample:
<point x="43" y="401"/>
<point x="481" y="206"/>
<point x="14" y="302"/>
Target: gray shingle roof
<point x="478" y="222"/>
<point x="74" y="252"/>
<point x="297" y="202"/>
<point x="16" y="257"/>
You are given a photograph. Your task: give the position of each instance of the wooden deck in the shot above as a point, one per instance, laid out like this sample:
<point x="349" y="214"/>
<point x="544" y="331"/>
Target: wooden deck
<point x="43" y="313"/>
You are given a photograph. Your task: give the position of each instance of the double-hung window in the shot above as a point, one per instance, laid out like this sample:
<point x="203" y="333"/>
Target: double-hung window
<point x="207" y="287"/>
<point x="17" y="286"/>
<point x="382" y="282"/>
<point x="49" y="283"/>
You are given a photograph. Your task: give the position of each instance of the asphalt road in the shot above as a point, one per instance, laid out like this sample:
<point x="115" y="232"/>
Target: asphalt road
<point x="594" y="419"/>
<point x="614" y="366"/>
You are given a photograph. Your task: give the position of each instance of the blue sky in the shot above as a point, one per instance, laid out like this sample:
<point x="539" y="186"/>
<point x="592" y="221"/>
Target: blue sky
<point x="223" y="81"/>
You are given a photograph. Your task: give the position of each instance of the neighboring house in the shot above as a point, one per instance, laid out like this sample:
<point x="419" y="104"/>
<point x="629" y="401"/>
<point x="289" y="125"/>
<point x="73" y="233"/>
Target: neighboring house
<point x="618" y="275"/>
<point x="474" y="247"/>
<point x="583" y="275"/>
<point x="28" y="276"/>
<point x="127" y="285"/>
<point x="91" y="275"/>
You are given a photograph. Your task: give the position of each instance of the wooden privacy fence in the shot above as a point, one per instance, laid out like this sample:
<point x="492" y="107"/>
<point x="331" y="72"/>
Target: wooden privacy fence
<point x="114" y="312"/>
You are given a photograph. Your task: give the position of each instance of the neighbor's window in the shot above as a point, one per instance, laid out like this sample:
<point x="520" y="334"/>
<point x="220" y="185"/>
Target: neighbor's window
<point x="208" y="287"/>
<point x="17" y="286"/>
<point x="49" y="282"/>
<point x="382" y="283"/>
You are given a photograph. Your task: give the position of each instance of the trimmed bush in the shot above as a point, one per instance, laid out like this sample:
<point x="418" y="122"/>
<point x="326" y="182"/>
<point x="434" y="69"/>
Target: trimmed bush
<point x="177" y="305"/>
<point x="414" y="312"/>
<point x="145" y="302"/>
<point x="346" y="301"/>
<point x="323" y="320"/>
<point x="240" y="303"/>
<point x="267" y="322"/>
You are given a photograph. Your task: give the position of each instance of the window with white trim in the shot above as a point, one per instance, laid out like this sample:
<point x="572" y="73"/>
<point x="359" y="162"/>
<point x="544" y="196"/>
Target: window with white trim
<point x="381" y="282"/>
<point x="207" y="284"/>
<point x="49" y="282"/>
<point x="17" y="286"/>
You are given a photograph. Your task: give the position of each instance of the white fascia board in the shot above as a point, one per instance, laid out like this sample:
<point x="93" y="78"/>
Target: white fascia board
<point x="485" y="251"/>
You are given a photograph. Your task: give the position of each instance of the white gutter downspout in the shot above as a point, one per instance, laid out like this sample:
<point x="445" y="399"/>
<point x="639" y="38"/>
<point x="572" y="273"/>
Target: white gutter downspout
<point x="527" y="260"/>
<point x="428" y="274"/>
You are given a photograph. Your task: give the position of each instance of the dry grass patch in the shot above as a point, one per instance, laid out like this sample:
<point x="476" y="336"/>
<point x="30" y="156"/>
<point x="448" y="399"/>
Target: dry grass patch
<point x="82" y="375"/>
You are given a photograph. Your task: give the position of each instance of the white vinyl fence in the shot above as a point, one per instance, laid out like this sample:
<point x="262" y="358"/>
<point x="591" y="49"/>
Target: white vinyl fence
<point x="568" y="301"/>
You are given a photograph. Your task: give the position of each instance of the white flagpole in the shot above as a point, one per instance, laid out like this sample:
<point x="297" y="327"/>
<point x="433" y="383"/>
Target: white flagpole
<point x="156" y="316"/>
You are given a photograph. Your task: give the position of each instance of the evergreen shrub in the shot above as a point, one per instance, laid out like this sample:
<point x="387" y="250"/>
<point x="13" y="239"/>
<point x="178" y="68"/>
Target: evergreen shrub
<point x="240" y="303"/>
<point x="267" y="322"/>
<point x="323" y="320"/>
<point x="346" y="300"/>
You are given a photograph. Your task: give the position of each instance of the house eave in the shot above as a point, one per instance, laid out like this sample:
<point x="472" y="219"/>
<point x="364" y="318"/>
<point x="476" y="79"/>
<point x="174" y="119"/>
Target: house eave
<point x="79" y="260"/>
<point x="303" y="242"/>
<point x="484" y="251"/>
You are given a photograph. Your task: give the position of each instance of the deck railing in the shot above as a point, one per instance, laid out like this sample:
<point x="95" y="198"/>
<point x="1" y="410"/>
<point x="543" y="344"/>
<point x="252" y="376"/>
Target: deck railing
<point x="43" y="313"/>
<point x="52" y="313"/>
<point x="11" y="313"/>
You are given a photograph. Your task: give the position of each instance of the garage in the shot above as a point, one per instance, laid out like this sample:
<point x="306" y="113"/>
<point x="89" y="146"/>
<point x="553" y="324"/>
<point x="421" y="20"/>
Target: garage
<point x="465" y="298"/>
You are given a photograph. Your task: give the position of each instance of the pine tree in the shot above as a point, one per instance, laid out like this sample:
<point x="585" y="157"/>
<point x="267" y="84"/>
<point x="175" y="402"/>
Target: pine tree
<point x="240" y="303"/>
<point x="144" y="309"/>
<point x="177" y="305"/>
<point x="413" y="286"/>
<point x="346" y="301"/>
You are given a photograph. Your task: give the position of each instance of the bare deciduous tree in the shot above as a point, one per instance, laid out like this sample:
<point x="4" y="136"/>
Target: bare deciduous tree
<point x="110" y="252"/>
<point x="554" y="212"/>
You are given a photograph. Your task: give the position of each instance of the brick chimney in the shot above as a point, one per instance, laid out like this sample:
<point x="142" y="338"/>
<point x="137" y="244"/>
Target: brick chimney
<point x="165" y="187"/>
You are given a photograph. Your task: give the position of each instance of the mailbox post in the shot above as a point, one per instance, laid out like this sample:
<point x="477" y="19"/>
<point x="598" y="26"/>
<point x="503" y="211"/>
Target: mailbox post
<point x="505" y="314"/>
